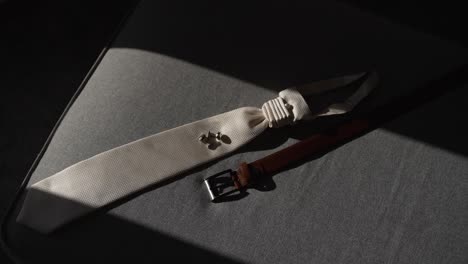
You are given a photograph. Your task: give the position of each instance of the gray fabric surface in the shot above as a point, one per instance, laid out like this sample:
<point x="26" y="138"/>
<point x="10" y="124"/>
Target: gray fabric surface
<point x="384" y="197"/>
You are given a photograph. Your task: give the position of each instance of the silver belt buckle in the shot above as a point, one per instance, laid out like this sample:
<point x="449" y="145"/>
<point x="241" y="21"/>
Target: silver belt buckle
<point x="221" y="185"/>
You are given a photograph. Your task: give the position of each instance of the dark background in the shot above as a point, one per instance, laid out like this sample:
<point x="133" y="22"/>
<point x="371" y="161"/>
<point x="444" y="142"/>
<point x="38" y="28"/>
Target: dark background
<point x="47" y="47"/>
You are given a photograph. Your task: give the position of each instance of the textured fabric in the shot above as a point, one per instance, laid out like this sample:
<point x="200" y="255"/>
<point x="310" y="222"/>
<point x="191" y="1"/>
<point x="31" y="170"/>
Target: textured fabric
<point x="396" y="195"/>
<point x="117" y="173"/>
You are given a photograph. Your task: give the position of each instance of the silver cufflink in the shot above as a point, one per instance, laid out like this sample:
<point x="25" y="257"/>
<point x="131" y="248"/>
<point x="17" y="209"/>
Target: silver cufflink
<point x="214" y="140"/>
<point x="205" y="138"/>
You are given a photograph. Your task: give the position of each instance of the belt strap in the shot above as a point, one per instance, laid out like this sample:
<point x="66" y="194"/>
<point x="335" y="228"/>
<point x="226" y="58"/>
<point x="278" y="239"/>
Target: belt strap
<point x="224" y="185"/>
<point x="278" y="161"/>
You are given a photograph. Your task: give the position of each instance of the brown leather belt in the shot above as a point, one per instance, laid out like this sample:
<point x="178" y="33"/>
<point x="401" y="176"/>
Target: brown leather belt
<point x="224" y="185"/>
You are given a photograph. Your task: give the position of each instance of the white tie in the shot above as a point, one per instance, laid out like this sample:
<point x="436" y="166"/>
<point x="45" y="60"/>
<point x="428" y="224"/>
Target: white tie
<point x="119" y="172"/>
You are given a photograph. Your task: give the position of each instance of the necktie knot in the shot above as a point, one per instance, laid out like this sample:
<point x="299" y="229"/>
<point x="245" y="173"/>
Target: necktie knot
<point x="278" y="113"/>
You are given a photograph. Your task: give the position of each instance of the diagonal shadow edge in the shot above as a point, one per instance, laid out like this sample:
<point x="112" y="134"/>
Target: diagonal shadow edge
<point x="273" y="67"/>
<point x="104" y="237"/>
<point x="217" y="47"/>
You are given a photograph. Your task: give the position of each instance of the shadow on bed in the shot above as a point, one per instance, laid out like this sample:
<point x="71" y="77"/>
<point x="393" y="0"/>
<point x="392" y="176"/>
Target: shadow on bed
<point x="100" y="238"/>
<point x="294" y="44"/>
